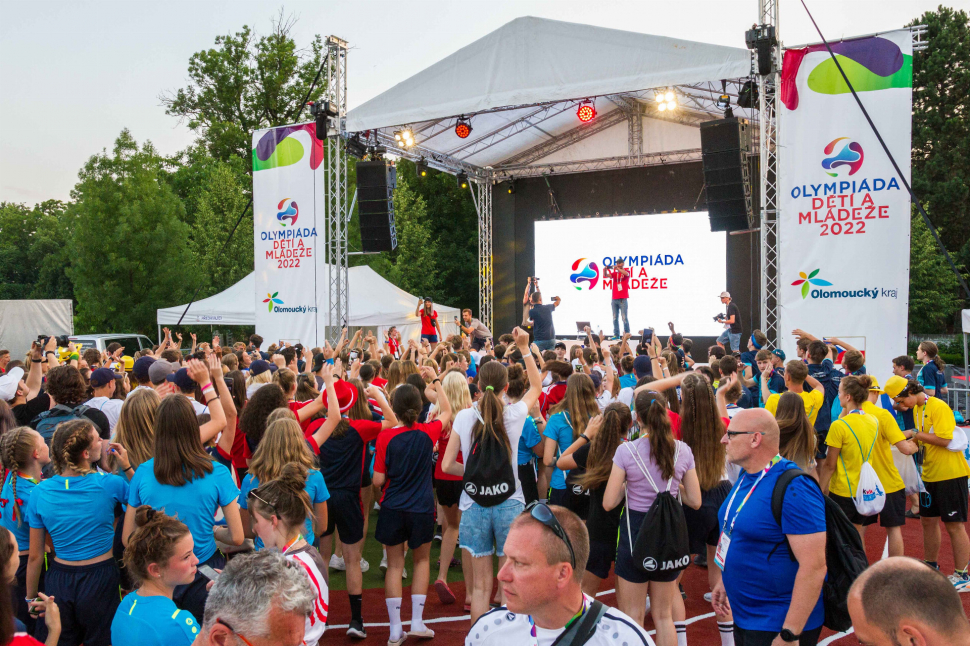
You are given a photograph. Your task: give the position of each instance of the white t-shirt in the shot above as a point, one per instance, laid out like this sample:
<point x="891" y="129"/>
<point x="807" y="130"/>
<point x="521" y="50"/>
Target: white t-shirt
<point x="500" y="627"/>
<point x="138" y="388"/>
<point x="514" y="417"/>
<point x="625" y="396"/>
<point x="110" y="407"/>
<point x="200" y="409"/>
<point x="605" y="400"/>
<point x="252" y="388"/>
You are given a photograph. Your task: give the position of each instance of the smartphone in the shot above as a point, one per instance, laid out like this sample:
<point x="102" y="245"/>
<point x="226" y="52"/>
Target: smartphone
<point x="647" y="335"/>
<point x="228" y="381"/>
<point x="209" y="573"/>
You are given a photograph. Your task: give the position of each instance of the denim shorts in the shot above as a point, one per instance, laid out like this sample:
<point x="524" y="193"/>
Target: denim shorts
<point x="734" y="339"/>
<point x="483" y="528"/>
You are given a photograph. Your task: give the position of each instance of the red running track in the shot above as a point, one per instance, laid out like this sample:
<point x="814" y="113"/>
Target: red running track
<point x="451" y="624"/>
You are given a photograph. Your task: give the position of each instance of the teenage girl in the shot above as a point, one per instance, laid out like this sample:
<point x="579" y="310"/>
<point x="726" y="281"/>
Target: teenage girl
<point x="23" y="454"/>
<point x="279" y="509"/>
<point x="158" y="558"/>
<point x="10" y="626"/>
<point x="565" y="425"/>
<point x="76" y="509"/>
<point x="184" y="481"/>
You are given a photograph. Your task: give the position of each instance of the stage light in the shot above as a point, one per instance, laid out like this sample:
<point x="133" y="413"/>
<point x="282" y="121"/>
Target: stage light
<point x="462" y="179"/>
<point x="660" y="97"/>
<point x="511" y="187"/>
<point x="463" y="128"/>
<point x="668" y="96"/>
<point x="671" y="106"/>
<point x="586" y="111"/>
<point x="748" y="96"/>
<point x="355" y="148"/>
<point x="662" y="107"/>
<point x="761" y="38"/>
<point x="723" y="102"/>
<point x="421" y="167"/>
<point x="404" y="138"/>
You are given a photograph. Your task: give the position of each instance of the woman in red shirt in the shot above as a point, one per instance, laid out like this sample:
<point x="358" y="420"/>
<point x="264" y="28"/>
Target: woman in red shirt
<point x="430" y="329"/>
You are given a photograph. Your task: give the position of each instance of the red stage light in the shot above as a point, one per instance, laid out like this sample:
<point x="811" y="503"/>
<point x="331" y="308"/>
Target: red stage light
<point x="463" y="128"/>
<point x="586" y="112"/>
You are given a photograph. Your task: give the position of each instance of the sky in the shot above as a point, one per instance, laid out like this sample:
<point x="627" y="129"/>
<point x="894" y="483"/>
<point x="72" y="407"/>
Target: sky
<point x="74" y="73"/>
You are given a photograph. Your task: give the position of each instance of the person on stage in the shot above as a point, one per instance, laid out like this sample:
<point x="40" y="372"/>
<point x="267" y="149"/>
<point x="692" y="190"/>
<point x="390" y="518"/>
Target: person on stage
<point x="430" y="330"/>
<point x="621" y="285"/>
<point x="731" y="320"/>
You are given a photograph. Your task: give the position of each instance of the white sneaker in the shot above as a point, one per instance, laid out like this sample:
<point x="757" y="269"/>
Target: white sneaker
<point x="960" y="584"/>
<point x="708" y="596"/>
<point x="404" y="573"/>
<point x="377" y="506"/>
<point x="337" y="563"/>
<point x="364" y="565"/>
<point x="384" y="562"/>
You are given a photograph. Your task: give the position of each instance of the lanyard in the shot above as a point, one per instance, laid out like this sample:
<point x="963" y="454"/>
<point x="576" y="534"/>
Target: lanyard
<point x="26" y="477"/>
<point x="286" y="548"/>
<point x="727" y="511"/>
<point x="582" y="611"/>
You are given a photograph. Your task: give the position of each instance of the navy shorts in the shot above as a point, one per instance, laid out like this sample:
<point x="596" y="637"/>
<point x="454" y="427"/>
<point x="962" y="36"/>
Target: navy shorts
<point x="18" y="592"/>
<point x="346" y="515"/>
<point x="88" y="597"/>
<point x="395" y="527"/>
<point x="448" y="491"/>
<point x="192" y="596"/>
<point x="702" y="526"/>
<point x="430" y="338"/>
<point x="572" y="498"/>
<point x="601" y="557"/>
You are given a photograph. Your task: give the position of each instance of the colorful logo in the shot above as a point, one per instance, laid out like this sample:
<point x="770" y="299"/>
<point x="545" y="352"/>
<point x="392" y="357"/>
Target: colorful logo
<point x="850" y="155"/>
<point x="291" y="212"/>
<point x="810" y="279"/>
<point x="589" y="274"/>
<point x="870" y="64"/>
<point x="272" y="300"/>
<point x="277" y="148"/>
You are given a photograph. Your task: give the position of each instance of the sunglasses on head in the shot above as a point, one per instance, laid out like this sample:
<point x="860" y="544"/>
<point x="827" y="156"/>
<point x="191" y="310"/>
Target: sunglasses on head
<point x="544" y="515"/>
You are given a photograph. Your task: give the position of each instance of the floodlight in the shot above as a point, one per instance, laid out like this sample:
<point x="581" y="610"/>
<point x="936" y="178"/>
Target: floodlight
<point x="511" y="187"/>
<point x="669" y="96"/>
<point x="662" y="107"/>
<point x="671" y="106"/>
<point x="660" y="97"/>
<point x="421" y="167"/>
<point x="462" y="178"/>
<point x="586" y="111"/>
<point x="463" y="128"/>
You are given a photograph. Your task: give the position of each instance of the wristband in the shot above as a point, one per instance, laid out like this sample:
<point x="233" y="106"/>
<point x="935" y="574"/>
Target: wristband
<point x="37" y="361"/>
<point x="128" y="468"/>
<point x="583" y="435"/>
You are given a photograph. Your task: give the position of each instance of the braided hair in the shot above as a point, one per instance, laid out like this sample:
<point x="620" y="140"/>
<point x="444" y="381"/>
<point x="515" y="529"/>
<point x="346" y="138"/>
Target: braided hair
<point x="153" y="541"/>
<point x="70" y="440"/>
<point x="16" y="449"/>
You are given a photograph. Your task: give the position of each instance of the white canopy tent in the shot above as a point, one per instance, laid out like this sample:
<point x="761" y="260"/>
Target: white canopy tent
<point x="375" y="304"/>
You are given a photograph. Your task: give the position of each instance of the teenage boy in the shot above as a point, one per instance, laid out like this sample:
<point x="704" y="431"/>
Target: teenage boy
<point x="621" y="296"/>
<point x="773" y="375"/>
<point x="729" y="366"/>
<point x="823" y="370"/>
<point x="796" y="375"/>
<point x="732" y="323"/>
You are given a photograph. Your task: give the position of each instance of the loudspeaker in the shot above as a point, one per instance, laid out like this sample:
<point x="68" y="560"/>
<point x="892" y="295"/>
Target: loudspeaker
<point x="725" y="145"/>
<point x="376" y="181"/>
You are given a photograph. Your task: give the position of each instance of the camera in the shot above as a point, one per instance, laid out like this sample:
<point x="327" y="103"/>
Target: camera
<point x="62" y="341"/>
<point x="717" y="319"/>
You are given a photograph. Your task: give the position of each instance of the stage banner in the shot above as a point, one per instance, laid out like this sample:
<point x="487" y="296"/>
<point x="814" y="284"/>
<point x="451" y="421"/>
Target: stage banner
<point x="844" y="216"/>
<point x="288" y="214"/>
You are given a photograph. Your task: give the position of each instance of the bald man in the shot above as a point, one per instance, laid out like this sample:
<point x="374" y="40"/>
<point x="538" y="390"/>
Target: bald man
<point x="902" y="601"/>
<point x="774" y="598"/>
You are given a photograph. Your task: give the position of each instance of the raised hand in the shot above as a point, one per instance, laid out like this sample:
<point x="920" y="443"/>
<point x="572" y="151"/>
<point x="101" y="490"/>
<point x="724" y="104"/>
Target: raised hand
<point x="521" y="339"/>
<point x="215" y="341"/>
<point x="593" y="426"/>
<point x="198" y="371"/>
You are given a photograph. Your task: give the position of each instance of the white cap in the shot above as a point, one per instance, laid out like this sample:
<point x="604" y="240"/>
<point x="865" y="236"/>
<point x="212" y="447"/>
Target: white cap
<point x="9" y="383"/>
<point x="725" y="295"/>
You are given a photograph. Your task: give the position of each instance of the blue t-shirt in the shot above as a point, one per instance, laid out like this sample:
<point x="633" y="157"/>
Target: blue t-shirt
<point x="559" y="429"/>
<point x="152" y="621"/>
<point x="22" y="529"/>
<point x="748" y="358"/>
<point x="315" y="488"/>
<point x="930" y="376"/>
<point x="628" y="381"/>
<point x="542" y="328"/>
<point x="759" y="574"/>
<point x="194" y="504"/>
<point x="776" y="385"/>
<point x="830" y="378"/>
<point x="529" y="438"/>
<point x="78" y="513"/>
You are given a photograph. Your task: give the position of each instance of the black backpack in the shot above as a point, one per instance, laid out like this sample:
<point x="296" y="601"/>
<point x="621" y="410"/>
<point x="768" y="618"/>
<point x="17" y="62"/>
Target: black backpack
<point x="662" y="544"/>
<point x="489" y="479"/>
<point x="845" y="556"/>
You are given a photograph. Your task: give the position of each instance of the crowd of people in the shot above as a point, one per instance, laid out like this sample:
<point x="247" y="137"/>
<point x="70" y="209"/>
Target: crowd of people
<point x="216" y="487"/>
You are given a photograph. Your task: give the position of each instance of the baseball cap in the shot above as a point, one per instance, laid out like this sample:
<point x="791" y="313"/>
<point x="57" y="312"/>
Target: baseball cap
<point x="874" y="385"/>
<point x="596" y="377"/>
<point x="141" y="366"/>
<point x="560" y="344"/>
<point x="159" y="370"/>
<point x="258" y="367"/>
<point x="778" y="352"/>
<point x="725" y="295"/>
<point x="182" y="379"/>
<point x="318" y="360"/>
<point x="641" y="366"/>
<point x="895" y="385"/>
<point x="102" y="377"/>
<point x="9" y="382"/>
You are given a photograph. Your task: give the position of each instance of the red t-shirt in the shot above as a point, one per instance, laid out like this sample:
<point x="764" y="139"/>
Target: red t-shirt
<point x="439" y="473"/>
<point x="377" y="381"/>
<point x="238" y="452"/>
<point x="621" y="284"/>
<point x="395" y="346"/>
<point x="427" y="322"/>
<point x="295" y="406"/>
<point x="674" y="424"/>
<point x="553" y="396"/>
<point x="23" y="639"/>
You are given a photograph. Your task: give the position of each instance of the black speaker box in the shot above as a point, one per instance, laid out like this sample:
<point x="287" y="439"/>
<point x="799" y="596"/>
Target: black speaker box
<point x="725" y="146"/>
<point x="375" y="188"/>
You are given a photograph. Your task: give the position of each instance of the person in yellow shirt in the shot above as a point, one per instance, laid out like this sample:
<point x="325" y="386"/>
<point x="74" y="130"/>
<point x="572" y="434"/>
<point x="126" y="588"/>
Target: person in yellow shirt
<point x="796" y="374"/>
<point x="944" y="475"/>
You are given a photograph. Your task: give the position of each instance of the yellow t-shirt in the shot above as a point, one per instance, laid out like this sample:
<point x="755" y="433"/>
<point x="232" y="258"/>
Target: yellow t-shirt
<point x="813" y="403"/>
<point x="882" y="457"/>
<point x="939" y="463"/>
<point x="852" y="453"/>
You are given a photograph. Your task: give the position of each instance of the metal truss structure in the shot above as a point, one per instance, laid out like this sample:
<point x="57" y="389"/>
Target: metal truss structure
<point x="335" y="193"/>
<point x="483" y="206"/>
<point x="767" y="139"/>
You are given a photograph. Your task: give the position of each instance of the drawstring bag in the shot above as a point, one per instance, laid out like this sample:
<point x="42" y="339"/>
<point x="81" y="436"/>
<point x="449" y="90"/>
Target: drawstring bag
<point x="959" y="442"/>
<point x="906" y="466"/>
<point x="489" y="479"/>
<point x="662" y="546"/>
<point x="870" y="495"/>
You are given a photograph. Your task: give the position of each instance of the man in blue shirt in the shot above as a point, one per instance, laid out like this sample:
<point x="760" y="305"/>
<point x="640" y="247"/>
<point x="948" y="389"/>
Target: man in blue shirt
<point x="543" y="330"/>
<point x="773" y="597"/>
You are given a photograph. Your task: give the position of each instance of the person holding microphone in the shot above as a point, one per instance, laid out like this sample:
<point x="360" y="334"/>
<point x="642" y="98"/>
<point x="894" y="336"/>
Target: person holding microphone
<point x="621" y="295"/>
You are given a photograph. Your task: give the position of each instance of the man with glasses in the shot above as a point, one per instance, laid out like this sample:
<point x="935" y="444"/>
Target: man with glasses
<point x="260" y="599"/>
<point x="546" y="552"/>
<point x="775" y="599"/>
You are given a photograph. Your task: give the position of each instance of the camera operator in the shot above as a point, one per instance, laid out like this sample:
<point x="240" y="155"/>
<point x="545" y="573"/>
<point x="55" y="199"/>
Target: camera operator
<point x="543" y="330"/>
<point x="732" y="324"/>
<point x="24" y="396"/>
<point x="473" y="328"/>
<point x="531" y="286"/>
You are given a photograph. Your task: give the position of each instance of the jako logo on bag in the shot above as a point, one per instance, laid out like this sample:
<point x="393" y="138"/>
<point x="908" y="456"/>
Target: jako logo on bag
<point x="288" y="210"/>
<point x="871" y="494"/>
<point x="649" y="564"/>
<point x="589" y="274"/>
<point x="494" y="490"/>
<point x="678" y="564"/>
<point x="471" y="489"/>
<point x="578" y="490"/>
<point x="850" y="155"/>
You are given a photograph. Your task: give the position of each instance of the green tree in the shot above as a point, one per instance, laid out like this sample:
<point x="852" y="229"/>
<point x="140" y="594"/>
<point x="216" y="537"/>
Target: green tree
<point x="219" y="205"/>
<point x="941" y="125"/>
<point x="933" y="288"/>
<point x="129" y="245"/>
<point x="33" y="253"/>
<point x="244" y="83"/>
